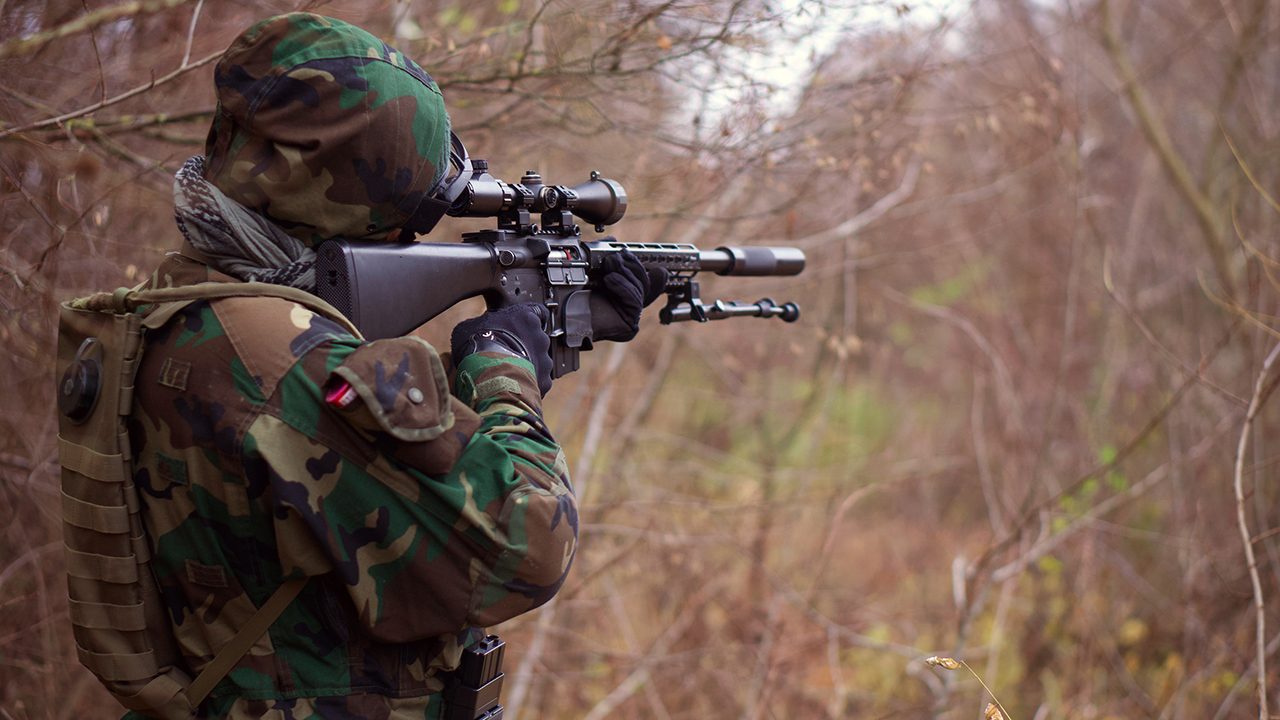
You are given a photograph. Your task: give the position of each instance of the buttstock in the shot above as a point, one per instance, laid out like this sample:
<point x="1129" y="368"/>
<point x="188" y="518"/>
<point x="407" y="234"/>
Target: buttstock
<point x="389" y="289"/>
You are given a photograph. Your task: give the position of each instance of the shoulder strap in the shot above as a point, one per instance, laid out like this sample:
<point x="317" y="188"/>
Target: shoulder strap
<point x="235" y="649"/>
<point x="126" y="300"/>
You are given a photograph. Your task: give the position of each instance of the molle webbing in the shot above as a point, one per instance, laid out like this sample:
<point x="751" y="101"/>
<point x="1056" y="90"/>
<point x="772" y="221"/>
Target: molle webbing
<point x="109" y="584"/>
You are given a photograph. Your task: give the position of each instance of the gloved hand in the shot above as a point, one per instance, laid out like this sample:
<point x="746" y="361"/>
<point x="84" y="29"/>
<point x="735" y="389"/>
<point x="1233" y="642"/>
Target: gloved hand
<point x="515" y="330"/>
<point x="625" y="289"/>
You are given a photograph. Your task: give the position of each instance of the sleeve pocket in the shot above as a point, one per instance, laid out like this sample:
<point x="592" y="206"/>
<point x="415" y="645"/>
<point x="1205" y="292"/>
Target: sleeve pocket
<point x="403" y="385"/>
<point x="404" y="392"/>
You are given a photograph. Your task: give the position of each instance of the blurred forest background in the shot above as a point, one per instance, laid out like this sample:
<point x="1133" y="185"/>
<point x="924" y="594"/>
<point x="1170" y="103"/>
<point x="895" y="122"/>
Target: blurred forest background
<point x="1023" y="421"/>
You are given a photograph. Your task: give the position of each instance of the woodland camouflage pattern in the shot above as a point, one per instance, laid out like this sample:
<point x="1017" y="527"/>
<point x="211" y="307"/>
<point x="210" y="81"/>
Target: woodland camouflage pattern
<point x="325" y="129"/>
<point x="420" y="515"/>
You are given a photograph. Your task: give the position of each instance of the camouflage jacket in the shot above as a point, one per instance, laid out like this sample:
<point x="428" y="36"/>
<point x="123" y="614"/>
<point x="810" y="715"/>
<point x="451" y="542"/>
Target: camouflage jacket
<point x="420" y="514"/>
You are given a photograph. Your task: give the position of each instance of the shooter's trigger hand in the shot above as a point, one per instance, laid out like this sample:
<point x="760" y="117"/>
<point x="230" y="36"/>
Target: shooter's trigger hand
<point x="515" y="330"/>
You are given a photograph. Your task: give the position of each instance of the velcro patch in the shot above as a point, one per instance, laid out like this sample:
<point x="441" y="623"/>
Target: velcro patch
<point x="174" y="373"/>
<point x="213" y="576"/>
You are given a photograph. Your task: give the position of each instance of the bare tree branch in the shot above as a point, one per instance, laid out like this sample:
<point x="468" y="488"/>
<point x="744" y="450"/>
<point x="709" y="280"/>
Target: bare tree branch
<point x="1157" y="135"/>
<point x="155" y="82"/>
<point x="1261" y="390"/>
<point x="102" y="16"/>
<point x="191" y="32"/>
<point x="90" y="128"/>
<point x="863" y="219"/>
<point x="639" y="677"/>
<point x="1050" y="543"/>
<point x="1122" y="454"/>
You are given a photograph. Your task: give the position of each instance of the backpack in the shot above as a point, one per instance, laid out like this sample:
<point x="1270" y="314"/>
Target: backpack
<point x="120" y="624"/>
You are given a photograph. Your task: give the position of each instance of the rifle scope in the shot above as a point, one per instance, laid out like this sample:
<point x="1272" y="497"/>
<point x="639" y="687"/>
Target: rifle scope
<point x="599" y="201"/>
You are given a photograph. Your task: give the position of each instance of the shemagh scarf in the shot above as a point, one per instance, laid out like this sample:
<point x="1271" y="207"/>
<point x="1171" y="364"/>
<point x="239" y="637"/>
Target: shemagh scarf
<point x="237" y="240"/>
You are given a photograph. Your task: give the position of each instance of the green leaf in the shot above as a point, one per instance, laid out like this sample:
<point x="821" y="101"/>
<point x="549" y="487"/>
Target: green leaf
<point x="1049" y="565"/>
<point x="953" y="289"/>
<point x="1089" y="488"/>
<point x="1107" y="454"/>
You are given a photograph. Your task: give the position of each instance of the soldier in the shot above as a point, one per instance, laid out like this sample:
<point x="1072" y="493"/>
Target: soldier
<point x="270" y="444"/>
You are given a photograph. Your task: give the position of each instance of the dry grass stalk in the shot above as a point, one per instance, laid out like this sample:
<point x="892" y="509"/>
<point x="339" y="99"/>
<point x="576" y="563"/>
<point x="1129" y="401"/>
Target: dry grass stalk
<point x="947" y="663"/>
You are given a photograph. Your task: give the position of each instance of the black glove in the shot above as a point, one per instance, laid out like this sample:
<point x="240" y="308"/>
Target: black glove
<point x="625" y="289"/>
<point x="515" y="330"/>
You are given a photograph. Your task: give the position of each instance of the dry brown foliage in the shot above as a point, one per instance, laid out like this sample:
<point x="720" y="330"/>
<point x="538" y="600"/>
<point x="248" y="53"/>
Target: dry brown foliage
<point x="1024" y="420"/>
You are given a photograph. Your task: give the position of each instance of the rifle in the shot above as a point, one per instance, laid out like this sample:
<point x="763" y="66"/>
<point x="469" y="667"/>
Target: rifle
<point x="388" y="289"/>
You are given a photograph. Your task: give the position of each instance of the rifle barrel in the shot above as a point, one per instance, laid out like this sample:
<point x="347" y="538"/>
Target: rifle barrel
<point x="725" y="260"/>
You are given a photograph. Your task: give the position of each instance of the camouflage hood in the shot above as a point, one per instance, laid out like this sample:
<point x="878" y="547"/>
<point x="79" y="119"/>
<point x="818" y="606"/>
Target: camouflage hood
<point x="325" y="129"/>
<point x="234" y="239"/>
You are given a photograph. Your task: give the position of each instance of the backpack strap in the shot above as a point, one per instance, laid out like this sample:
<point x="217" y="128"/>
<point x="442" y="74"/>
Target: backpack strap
<point x="236" y="648"/>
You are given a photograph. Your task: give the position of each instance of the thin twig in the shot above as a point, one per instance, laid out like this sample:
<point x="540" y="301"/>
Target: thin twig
<point x="1004" y="378"/>
<point x="640" y="676"/>
<point x="29" y="556"/>
<point x="1248" y="173"/>
<point x="627" y="628"/>
<point x="591" y="442"/>
<point x="1229" y="701"/>
<point x="531" y="37"/>
<point x="523" y="676"/>
<point x="97" y="56"/>
<point x="191" y="31"/>
<point x="879" y="209"/>
<point x="1050" y="543"/>
<point x="31" y="102"/>
<point x="64" y="229"/>
<point x="89" y="21"/>
<point x="1109" y="285"/>
<point x="988" y="555"/>
<point x="1266" y="534"/>
<point x="185" y="68"/>
<point x="1260" y="392"/>
<point x="26" y="194"/>
<point x="833" y="531"/>
<point x="1157" y="136"/>
<point x="88" y="129"/>
<point x="991" y="496"/>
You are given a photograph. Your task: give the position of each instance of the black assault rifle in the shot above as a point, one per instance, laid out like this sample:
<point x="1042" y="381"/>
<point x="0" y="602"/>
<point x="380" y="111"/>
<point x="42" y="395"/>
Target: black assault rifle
<point x="388" y="289"/>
